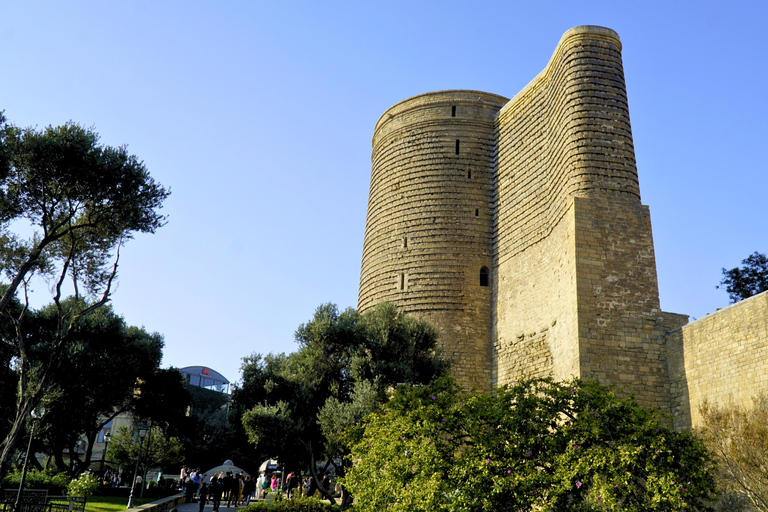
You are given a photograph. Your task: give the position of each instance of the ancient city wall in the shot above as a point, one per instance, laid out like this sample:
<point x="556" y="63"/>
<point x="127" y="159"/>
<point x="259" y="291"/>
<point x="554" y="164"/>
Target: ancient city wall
<point x="429" y="227"/>
<point x="722" y="357"/>
<point x="575" y="268"/>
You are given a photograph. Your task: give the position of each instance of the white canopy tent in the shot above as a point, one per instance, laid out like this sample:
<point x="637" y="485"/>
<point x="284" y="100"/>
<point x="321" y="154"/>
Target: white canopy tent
<point x="227" y="466"/>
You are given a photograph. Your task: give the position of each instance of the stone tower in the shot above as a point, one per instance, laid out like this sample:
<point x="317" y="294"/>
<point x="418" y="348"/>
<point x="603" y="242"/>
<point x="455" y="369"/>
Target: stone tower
<point x="515" y="226"/>
<point x="429" y="231"/>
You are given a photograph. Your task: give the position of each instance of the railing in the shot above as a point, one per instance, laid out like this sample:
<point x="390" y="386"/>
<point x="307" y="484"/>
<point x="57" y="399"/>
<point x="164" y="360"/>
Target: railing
<point x="37" y="500"/>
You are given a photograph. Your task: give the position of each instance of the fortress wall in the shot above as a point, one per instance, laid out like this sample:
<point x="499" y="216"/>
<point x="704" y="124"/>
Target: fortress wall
<point x="722" y="357"/>
<point x="620" y="323"/>
<point x="572" y="236"/>
<point x="536" y="329"/>
<point x="429" y="228"/>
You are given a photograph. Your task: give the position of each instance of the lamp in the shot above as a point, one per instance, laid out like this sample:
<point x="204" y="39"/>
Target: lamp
<point x="107" y="437"/>
<point x="36" y="415"/>
<point x="142" y="435"/>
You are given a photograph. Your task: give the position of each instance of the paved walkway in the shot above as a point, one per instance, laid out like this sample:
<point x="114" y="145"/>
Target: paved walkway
<point x="195" y="507"/>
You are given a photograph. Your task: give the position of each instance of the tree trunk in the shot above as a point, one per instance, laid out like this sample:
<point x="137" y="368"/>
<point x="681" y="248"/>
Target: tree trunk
<point x="318" y="482"/>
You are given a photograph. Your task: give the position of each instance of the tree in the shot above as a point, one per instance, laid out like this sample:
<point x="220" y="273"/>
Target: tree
<point x="738" y="437"/>
<point x="295" y="405"/>
<point x="75" y="203"/>
<point x="748" y="280"/>
<point x="537" y="445"/>
<point x="157" y="450"/>
<point x="107" y="368"/>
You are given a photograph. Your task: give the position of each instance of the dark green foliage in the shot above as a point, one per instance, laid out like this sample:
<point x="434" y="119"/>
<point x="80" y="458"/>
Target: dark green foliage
<point x="294" y="505"/>
<point x="105" y="368"/>
<point x="67" y="205"/>
<point x="538" y="445"/>
<point x="748" y="280"/>
<point x="295" y="406"/>
<point x="55" y="484"/>
<point x="157" y="450"/>
<point x="207" y="436"/>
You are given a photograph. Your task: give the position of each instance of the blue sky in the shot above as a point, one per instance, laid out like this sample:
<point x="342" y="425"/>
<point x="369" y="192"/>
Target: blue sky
<point x="259" y="115"/>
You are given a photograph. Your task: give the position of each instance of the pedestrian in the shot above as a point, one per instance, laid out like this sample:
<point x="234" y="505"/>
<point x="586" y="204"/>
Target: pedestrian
<point x="203" y="495"/>
<point x="249" y="486"/>
<point x="216" y="490"/>
<point x="274" y="483"/>
<point x="229" y="485"/>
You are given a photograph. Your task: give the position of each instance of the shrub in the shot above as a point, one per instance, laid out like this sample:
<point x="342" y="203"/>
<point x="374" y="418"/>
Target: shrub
<point x="36" y="479"/>
<point x="536" y="445"/>
<point x="84" y="485"/>
<point x="295" y="505"/>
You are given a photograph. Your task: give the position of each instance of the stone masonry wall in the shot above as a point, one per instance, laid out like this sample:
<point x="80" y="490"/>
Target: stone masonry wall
<point x="574" y="253"/>
<point x="722" y="357"/>
<point x="429" y="226"/>
<point x="620" y="323"/>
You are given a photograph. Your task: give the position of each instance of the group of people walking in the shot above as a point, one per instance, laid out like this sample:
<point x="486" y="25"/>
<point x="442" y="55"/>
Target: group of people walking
<point x="237" y="489"/>
<point x="232" y="489"/>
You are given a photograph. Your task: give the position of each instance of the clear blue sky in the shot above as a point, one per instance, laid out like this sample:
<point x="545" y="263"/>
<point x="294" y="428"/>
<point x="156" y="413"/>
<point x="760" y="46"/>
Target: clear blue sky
<point x="259" y="116"/>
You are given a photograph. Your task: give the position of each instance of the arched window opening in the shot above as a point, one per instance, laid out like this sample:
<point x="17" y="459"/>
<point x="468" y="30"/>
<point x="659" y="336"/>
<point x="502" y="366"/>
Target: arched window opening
<point x="484" y="276"/>
<point x="469" y="174"/>
<point x="453" y="111"/>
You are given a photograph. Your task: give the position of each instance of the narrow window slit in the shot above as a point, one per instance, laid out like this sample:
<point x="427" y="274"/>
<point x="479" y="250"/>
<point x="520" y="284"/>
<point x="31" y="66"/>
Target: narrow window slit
<point x="469" y="175"/>
<point x="484" y="275"/>
<point x="402" y="281"/>
<point x="457" y="146"/>
<point x="453" y="111"/>
<point x="477" y="212"/>
<point x="405" y="242"/>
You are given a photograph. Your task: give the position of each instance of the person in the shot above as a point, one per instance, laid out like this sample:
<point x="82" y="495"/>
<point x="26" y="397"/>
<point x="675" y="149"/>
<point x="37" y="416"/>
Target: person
<point x="203" y="495"/>
<point x="290" y="483"/>
<point x="274" y="483"/>
<point x="249" y="486"/>
<point x="311" y="487"/>
<point x="216" y="489"/>
<point x="229" y="485"/>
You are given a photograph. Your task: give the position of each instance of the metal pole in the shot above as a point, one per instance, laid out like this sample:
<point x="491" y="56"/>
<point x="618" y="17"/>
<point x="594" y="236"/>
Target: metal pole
<point x="135" y="472"/>
<point x="103" y="457"/>
<point x="24" y="471"/>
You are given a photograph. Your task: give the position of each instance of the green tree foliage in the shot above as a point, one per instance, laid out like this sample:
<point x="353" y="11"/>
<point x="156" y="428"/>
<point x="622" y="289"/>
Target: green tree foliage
<point x="67" y="205"/>
<point x="55" y="484"/>
<point x="293" y="505"/>
<point x="748" y="280"/>
<point x="738" y="437"/>
<point x="295" y="406"/>
<point x="207" y="437"/>
<point x="157" y="450"/>
<point x="106" y="368"/>
<point x="538" y="445"/>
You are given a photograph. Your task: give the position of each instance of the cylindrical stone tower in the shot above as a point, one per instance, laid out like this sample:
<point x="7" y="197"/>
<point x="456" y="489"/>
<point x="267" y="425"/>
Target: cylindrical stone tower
<point x="429" y="229"/>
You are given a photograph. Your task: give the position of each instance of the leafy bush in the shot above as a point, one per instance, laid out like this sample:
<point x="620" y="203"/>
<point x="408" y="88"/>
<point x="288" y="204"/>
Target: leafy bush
<point x="55" y="484"/>
<point x="84" y="485"/>
<point x="295" y="505"/>
<point x="537" y="445"/>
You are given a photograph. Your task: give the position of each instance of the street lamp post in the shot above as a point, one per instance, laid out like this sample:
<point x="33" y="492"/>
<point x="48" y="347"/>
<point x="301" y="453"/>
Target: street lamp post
<point x="142" y="434"/>
<point x="36" y="414"/>
<point x="107" y="437"/>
